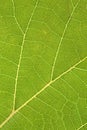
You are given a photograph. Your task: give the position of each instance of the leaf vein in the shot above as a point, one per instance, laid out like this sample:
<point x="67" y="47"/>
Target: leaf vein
<point x="39" y="92"/>
<point x="62" y="37"/>
<point x="20" y="57"/>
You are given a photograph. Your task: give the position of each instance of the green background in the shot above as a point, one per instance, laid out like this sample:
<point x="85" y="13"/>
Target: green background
<point x="43" y="64"/>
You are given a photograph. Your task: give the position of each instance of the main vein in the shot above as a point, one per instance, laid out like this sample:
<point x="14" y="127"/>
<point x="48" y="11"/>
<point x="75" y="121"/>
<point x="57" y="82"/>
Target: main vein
<point x="39" y="92"/>
<point x="61" y="40"/>
<point x="20" y="57"/>
<point x="82" y="126"/>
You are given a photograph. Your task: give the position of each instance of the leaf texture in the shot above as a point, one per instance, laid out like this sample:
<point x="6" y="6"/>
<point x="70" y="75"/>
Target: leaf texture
<point x="43" y="64"/>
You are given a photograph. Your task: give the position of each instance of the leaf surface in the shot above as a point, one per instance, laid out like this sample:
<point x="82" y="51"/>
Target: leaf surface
<point x="43" y="65"/>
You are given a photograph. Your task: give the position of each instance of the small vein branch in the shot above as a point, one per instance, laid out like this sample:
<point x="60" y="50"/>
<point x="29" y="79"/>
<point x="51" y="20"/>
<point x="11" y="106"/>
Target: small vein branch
<point x="16" y="18"/>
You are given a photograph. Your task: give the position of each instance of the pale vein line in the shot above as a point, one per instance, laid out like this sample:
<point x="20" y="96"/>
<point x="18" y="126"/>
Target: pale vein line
<point x="71" y="68"/>
<point x="82" y="126"/>
<point x="10" y="61"/>
<point x="72" y="3"/>
<point x="63" y="34"/>
<point x="39" y="92"/>
<point x="16" y="18"/>
<point x="20" y="57"/>
<point x="7" y="119"/>
<point x="80" y="69"/>
<point x="6" y="75"/>
<point x="79" y="114"/>
<point x="4" y="92"/>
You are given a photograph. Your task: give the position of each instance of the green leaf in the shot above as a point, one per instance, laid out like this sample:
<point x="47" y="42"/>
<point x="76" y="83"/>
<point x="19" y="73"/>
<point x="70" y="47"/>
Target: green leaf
<point x="43" y="64"/>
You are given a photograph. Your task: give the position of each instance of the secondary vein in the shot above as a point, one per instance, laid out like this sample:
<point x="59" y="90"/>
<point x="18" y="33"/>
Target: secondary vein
<point x="20" y="57"/>
<point x="62" y="37"/>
